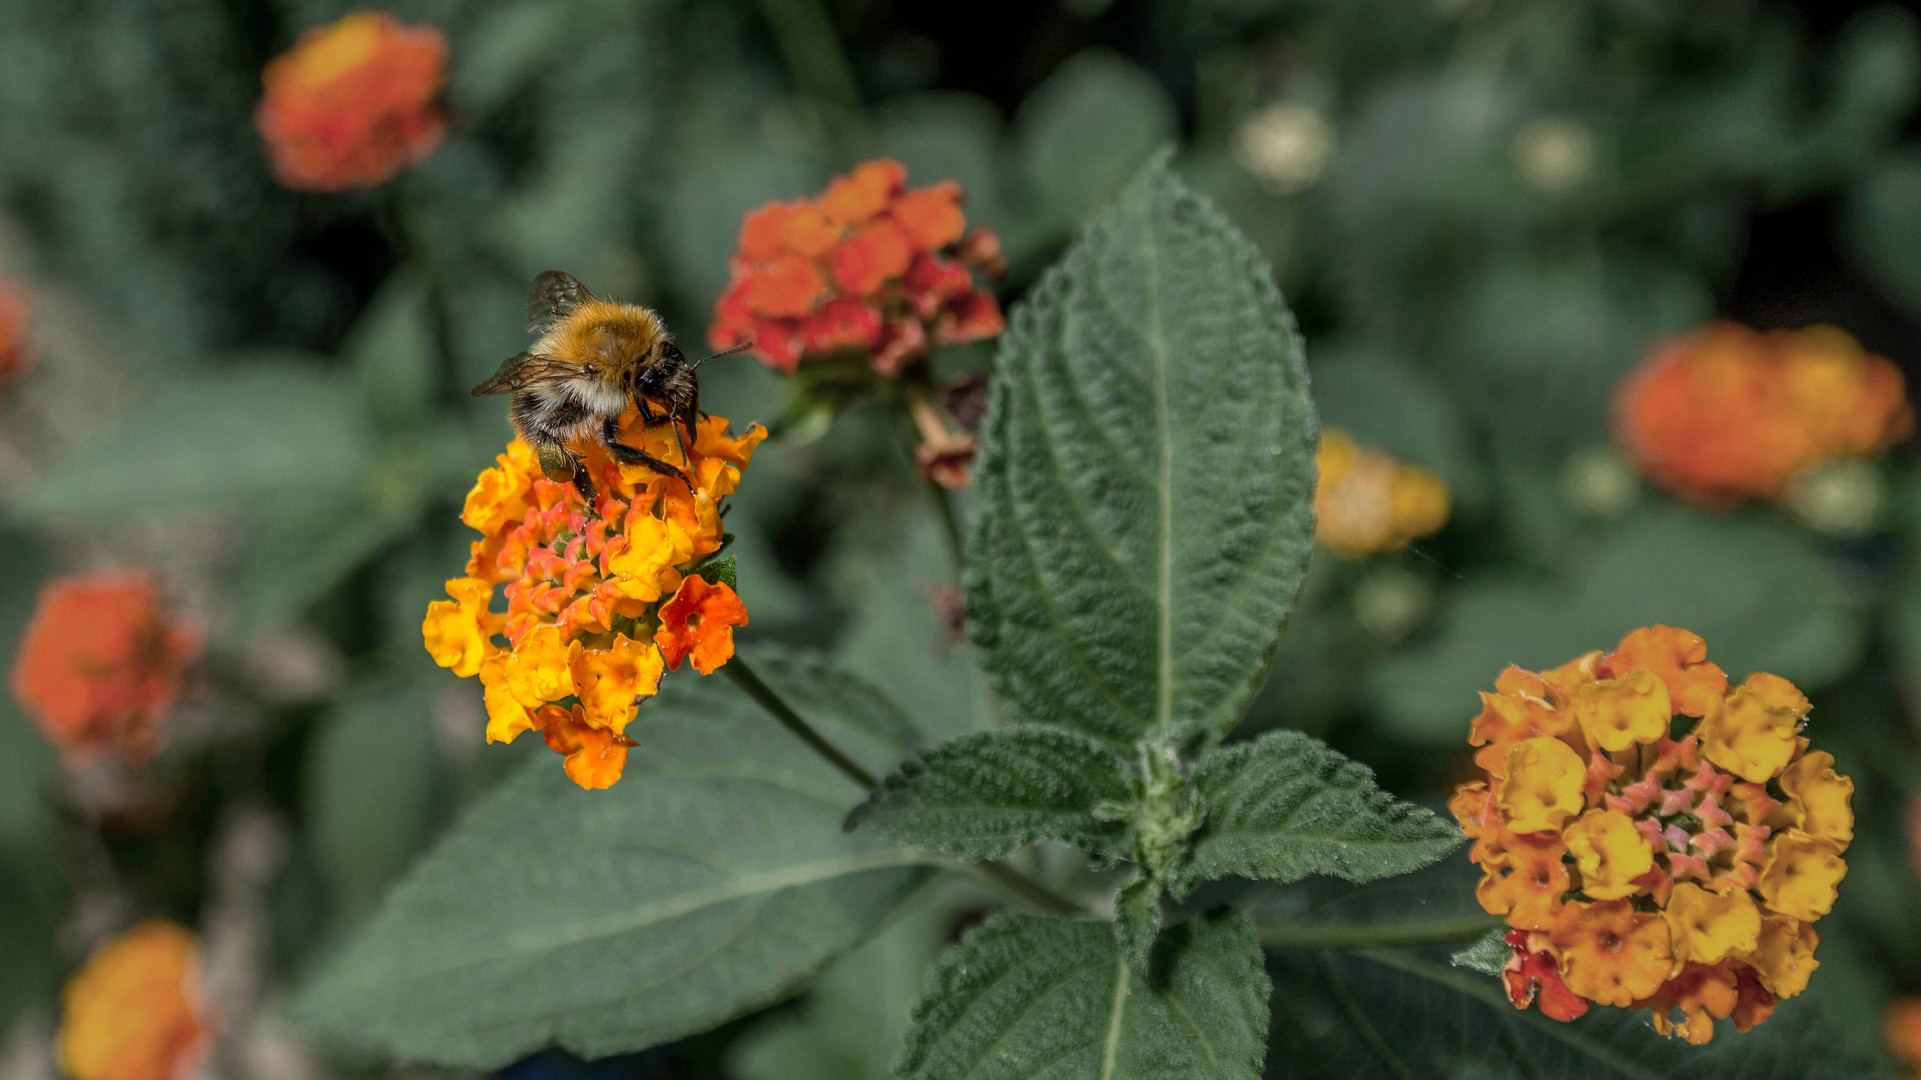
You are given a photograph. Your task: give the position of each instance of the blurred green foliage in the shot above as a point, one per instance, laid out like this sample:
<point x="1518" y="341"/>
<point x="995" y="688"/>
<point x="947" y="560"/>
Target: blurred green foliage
<point x="262" y="393"/>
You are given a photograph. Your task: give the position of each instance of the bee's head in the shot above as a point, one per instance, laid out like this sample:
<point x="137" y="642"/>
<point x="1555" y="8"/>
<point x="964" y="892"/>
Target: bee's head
<point x="655" y="377"/>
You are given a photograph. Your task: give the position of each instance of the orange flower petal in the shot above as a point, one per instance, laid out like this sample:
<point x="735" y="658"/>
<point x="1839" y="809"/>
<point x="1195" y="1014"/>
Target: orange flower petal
<point x="699" y="623"/>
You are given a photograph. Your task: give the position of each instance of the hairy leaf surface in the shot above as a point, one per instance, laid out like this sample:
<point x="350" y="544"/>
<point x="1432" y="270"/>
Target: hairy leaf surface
<point x="713" y="879"/>
<point x="1024" y="996"/>
<point x="1286" y="806"/>
<point x="994" y="792"/>
<point x="1146" y="476"/>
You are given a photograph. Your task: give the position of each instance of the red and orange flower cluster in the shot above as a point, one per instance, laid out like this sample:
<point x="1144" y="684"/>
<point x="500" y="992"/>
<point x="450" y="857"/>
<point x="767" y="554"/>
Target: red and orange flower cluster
<point x="599" y="598"/>
<point x="1367" y="503"/>
<point x="1726" y="414"/>
<point x="353" y="103"/>
<point x="869" y="269"/>
<point x="135" y="1010"/>
<point x="16" y="348"/>
<point x="1637" y="869"/>
<point x="101" y="663"/>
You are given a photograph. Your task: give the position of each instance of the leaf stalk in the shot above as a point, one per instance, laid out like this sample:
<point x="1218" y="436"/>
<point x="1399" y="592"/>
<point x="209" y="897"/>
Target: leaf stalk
<point x="1360" y="936"/>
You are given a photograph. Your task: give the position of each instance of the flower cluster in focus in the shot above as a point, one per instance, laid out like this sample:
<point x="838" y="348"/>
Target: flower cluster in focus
<point x="1637" y="869"/>
<point x="135" y="1010"/>
<point x="16" y="348"/>
<point x="101" y="663"/>
<point x="1367" y="502"/>
<point x="1726" y="414"/>
<point x="599" y="598"/>
<point x="353" y="103"/>
<point x="870" y="269"/>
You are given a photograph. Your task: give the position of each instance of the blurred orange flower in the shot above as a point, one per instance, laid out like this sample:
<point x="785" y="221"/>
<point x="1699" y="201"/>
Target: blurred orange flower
<point x="134" y="1011"/>
<point x="353" y="103"/>
<point x="17" y="354"/>
<point x="1646" y="871"/>
<point x="1726" y="414"/>
<point x="868" y="270"/>
<point x="1902" y="1026"/>
<point x="1368" y="503"/>
<point x="590" y="590"/>
<point x="100" y="664"/>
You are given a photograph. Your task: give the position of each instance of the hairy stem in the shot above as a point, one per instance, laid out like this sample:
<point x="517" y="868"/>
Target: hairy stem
<point x="1377" y="935"/>
<point x="1024" y="888"/>
<point x="777" y="707"/>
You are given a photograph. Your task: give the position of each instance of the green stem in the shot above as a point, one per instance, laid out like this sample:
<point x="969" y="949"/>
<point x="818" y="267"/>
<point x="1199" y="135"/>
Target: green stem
<point x="1006" y="878"/>
<point x="1021" y="887"/>
<point x="1377" y="935"/>
<point x="812" y="49"/>
<point x="776" y="706"/>
<point x="417" y="247"/>
<point x="950" y="525"/>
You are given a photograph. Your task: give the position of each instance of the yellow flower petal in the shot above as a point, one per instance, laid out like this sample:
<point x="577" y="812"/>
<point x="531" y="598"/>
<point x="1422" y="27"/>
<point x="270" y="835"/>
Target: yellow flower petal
<point x="1543" y="785"/>
<point x="1615" y="714"/>
<point x="1820" y="798"/>
<point x="1784" y="957"/>
<point x="1801" y="876"/>
<point x="458" y="632"/>
<point x="1610" y="851"/>
<point x="612" y="681"/>
<point x="1708" y="927"/>
<point x="1751" y="731"/>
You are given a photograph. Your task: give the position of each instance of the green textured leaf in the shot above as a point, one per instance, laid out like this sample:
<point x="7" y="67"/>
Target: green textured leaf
<point x="1390" y="1015"/>
<point x="1286" y="806"/>
<point x="1883" y="216"/>
<point x="1487" y="956"/>
<point x="1143" y="496"/>
<point x="722" y="571"/>
<point x="1032" y="997"/>
<point x="995" y="792"/>
<point x="711" y="880"/>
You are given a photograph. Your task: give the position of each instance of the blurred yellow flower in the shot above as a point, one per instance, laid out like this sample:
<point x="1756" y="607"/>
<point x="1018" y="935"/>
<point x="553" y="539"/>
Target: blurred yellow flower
<point x="1367" y="502"/>
<point x="134" y="1011"/>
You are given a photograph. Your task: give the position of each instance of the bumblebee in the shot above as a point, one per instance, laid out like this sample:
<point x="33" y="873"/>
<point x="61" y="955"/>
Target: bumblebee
<point x="594" y="357"/>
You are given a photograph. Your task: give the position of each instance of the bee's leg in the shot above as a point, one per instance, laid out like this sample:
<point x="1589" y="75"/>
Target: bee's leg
<point x="627" y="455"/>
<point x="678" y="444"/>
<point x="560" y="465"/>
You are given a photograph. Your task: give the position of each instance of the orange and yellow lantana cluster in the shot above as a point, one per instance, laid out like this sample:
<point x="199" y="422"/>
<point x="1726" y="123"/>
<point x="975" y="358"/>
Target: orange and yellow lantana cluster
<point x="353" y="103"/>
<point x="1637" y="869"/>
<point x="1367" y="502"/>
<point x="599" y="598"/>
<point x="135" y="1010"/>
<point x="101" y="664"/>
<point x="870" y="269"/>
<point x="1726" y="414"/>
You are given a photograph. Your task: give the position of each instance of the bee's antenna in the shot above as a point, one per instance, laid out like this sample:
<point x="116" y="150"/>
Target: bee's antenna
<point x="742" y="347"/>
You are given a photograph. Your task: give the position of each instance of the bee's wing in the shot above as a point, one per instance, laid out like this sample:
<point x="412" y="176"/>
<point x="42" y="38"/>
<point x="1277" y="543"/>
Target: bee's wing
<point x="552" y="296"/>
<point x="519" y="370"/>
